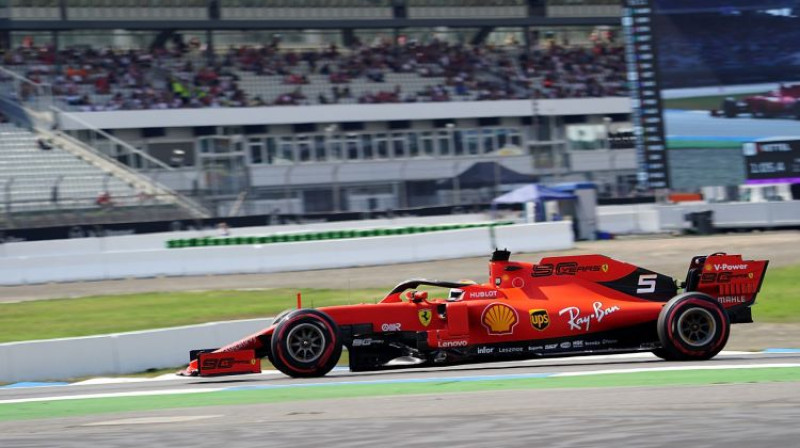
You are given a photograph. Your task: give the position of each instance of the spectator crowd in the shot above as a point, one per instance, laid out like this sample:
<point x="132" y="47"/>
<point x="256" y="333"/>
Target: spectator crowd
<point x="709" y="49"/>
<point x="163" y="78"/>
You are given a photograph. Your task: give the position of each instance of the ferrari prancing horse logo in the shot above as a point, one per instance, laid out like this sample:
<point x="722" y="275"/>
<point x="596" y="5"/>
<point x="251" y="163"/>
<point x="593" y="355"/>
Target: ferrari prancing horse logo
<point x="424" y="317"/>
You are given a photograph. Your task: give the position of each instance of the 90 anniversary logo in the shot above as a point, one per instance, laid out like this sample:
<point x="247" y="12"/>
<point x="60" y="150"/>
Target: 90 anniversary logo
<point x="566" y="268"/>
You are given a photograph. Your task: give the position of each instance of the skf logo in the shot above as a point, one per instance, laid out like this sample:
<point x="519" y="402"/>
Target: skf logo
<point x="539" y="319"/>
<point x="604" y="267"/>
<point x="424" y="317"/>
<point x="499" y="319"/>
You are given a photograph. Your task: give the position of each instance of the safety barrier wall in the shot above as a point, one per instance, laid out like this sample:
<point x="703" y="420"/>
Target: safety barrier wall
<point x="157" y="240"/>
<point x="121" y="353"/>
<point x="59" y="265"/>
<point x="626" y="219"/>
<point x="652" y="218"/>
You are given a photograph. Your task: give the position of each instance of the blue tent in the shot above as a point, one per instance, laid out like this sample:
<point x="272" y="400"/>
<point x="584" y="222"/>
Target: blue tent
<point x="532" y="193"/>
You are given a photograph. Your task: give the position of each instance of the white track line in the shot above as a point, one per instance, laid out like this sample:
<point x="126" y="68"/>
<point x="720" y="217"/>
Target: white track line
<point x="677" y="368"/>
<point x="333" y="384"/>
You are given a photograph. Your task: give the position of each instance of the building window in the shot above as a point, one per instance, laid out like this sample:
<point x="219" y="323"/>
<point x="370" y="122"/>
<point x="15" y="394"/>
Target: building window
<point x="428" y="147"/>
<point x="382" y="146"/>
<point x="272" y="150"/>
<point x="366" y="146"/>
<point x="471" y="142"/>
<point x="256" y="146"/>
<point x="352" y="147"/>
<point x="413" y="144"/>
<point x="319" y="147"/>
<point x="335" y="147"/>
<point x="398" y="145"/>
<point x="458" y="143"/>
<point x="444" y="143"/>
<point x="488" y="140"/>
<point x="286" y="150"/>
<point x="303" y="148"/>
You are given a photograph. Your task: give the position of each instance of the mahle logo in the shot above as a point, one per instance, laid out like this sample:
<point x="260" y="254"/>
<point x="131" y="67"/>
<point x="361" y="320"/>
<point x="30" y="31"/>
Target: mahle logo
<point x="539" y="319"/>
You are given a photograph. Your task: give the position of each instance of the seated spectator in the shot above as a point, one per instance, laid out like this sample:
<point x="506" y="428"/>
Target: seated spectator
<point x="43" y="144"/>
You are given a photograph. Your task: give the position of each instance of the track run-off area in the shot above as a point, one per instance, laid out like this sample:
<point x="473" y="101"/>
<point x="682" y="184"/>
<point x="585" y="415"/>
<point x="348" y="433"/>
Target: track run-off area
<point x="504" y="404"/>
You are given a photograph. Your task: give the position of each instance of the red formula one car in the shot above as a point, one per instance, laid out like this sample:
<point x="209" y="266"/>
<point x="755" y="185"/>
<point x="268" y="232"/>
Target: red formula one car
<point x="561" y="306"/>
<point x="783" y="102"/>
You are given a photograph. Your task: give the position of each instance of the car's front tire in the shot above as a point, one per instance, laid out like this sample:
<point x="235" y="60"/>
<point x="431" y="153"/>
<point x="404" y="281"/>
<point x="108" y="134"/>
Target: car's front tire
<point x="692" y="326"/>
<point x="306" y="343"/>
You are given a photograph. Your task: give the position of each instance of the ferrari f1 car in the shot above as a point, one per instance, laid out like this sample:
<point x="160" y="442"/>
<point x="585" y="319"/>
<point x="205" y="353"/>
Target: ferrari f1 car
<point x="567" y="305"/>
<point x="782" y="102"/>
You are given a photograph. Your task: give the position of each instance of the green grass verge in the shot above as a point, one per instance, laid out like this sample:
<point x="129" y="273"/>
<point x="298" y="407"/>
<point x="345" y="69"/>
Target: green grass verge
<point x="45" y="319"/>
<point x="703" y="102"/>
<point x="703" y="144"/>
<point x="779" y="299"/>
<point x="74" y="408"/>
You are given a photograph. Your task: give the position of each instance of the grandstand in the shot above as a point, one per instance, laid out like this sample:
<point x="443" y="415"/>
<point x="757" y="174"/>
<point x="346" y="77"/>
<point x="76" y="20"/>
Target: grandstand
<point x="320" y="106"/>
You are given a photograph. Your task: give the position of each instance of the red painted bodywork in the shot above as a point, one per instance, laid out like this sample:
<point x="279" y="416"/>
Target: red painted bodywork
<point x="779" y="102"/>
<point x="560" y="297"/>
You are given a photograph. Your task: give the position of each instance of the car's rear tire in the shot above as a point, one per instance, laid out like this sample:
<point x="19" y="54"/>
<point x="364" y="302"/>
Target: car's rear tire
<point x="692" y="326"/>
<point x="306" y="343"/>
<point x="729" y="108"/>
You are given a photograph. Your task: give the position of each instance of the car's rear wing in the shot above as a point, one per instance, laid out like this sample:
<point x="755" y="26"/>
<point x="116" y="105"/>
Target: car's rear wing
<point x="729" y="279"/>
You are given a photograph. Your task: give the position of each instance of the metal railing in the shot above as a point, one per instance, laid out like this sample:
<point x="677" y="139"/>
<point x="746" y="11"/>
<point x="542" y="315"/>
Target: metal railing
<point x="32" y="105"/>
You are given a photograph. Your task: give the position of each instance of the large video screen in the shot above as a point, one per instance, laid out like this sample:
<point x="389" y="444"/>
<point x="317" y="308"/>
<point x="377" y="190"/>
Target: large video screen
<point x="729" y="74"/>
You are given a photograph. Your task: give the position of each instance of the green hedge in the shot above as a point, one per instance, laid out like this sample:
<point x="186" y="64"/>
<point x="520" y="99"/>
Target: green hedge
<point x="324" y="235"/>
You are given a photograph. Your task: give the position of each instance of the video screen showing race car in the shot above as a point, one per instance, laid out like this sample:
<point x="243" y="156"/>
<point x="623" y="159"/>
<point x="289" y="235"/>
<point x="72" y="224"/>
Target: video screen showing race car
<point x="730" y="75"/>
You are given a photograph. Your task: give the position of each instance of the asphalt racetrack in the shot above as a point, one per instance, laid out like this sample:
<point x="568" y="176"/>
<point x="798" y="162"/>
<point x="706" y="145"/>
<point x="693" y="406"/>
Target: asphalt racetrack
<point x="737" y="399"/>
<point x="700" y="124"/>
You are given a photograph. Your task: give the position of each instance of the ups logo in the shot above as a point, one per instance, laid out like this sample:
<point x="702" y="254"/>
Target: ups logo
<point x="539" y="319"/>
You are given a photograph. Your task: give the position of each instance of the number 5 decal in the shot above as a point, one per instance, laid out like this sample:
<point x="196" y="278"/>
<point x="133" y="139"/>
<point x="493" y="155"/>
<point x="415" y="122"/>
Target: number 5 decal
<point x="647" y="283"/>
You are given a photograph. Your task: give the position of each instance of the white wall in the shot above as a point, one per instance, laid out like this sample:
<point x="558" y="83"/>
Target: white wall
<point x="652" y="218"/>
<point x="63" y="261"/>
<point x="335" y="113"/>
<point x="117" y="353"/>
<point x="627" y="219"/>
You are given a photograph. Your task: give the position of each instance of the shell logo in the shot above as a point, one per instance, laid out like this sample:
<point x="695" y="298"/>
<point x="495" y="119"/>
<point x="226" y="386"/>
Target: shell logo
<point x="499" y="319"/>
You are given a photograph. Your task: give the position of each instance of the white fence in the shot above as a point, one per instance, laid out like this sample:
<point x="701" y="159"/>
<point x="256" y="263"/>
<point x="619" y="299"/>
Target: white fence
<point x="652" y="218"/>
<point x="117" y="353"/>
<point x="122" y="257"/>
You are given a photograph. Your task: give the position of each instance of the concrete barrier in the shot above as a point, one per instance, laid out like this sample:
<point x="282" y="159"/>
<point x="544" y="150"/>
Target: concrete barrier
<point x="628" y="219"/>
<point x="652" y="218"/>
<point x="59" y="359"/>
<point x="35" y="265"/>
